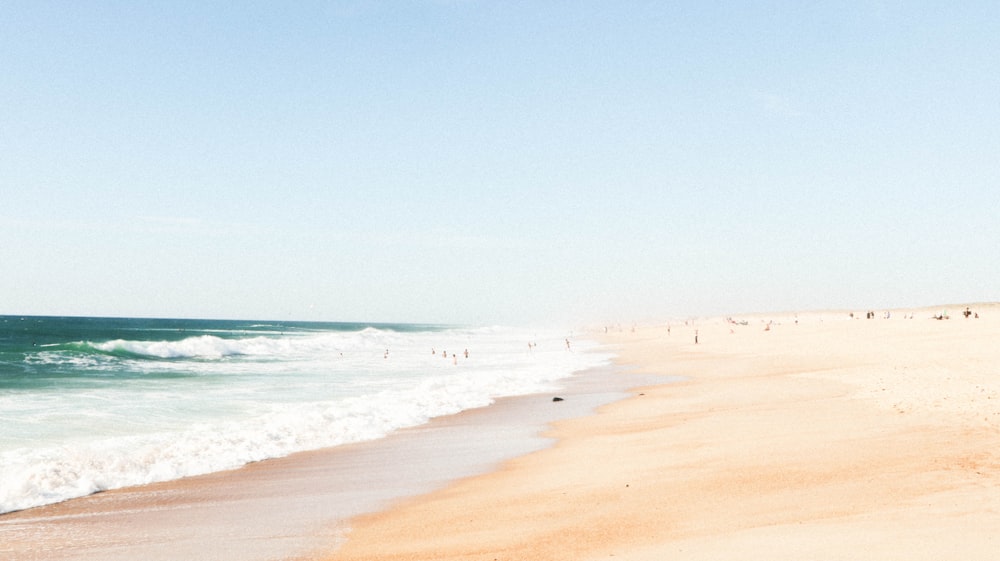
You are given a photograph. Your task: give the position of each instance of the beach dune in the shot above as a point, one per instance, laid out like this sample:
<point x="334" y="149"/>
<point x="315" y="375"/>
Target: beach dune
<point x="811" y="435"/>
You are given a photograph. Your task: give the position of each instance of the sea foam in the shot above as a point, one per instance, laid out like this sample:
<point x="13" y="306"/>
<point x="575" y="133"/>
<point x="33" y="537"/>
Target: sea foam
<point x="246" y="399"/>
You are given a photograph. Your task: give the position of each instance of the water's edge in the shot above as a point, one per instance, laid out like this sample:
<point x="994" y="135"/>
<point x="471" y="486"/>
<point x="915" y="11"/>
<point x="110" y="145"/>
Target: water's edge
<point x="300" y="504"/>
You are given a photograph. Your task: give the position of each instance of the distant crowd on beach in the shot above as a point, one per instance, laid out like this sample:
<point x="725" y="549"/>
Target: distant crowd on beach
<point x="968" y="313"/>
<point x="735" y="324"/>
<point x="887" y="315"/>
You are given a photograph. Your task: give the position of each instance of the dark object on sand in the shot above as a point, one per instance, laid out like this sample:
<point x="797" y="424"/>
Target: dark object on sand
<point x="557" y="399"/>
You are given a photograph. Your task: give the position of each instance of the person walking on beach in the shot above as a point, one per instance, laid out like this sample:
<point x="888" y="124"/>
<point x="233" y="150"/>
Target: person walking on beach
<point x="695" y="336"/>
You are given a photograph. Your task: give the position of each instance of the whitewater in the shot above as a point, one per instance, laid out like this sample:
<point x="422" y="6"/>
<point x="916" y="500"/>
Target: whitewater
<point x="92" y="404"/>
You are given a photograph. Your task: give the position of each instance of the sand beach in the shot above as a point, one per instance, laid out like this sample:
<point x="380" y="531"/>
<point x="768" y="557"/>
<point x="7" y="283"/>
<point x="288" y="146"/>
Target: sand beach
<point x="812" y="435"/>
<point x="794" y="436"/>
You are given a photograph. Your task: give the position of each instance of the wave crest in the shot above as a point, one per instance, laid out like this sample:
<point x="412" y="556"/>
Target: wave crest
<point x="203" y="346"/>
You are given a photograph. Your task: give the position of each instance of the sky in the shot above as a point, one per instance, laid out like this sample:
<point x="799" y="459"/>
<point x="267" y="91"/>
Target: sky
<point x="496" y="162"/>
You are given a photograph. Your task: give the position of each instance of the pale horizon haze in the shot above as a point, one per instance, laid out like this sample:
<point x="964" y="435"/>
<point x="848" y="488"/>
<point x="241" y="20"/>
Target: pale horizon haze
<point x="439" y="161"/>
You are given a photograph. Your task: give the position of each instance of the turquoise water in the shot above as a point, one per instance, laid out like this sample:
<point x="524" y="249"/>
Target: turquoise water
<point x="88" y="404"/>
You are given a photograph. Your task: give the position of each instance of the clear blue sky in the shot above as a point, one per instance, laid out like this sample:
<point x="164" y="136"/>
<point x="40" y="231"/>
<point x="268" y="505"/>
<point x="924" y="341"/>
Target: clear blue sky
<point x="496" y="162"/>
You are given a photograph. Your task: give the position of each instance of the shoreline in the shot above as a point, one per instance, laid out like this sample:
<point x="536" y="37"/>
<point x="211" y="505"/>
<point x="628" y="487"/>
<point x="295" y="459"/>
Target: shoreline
<point x="287" y="507"/>
<point x="782" y="436"/>
<point x="795" y="435"/>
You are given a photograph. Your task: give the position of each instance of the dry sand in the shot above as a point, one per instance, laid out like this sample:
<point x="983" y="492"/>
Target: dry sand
<point x="822" y="437"/>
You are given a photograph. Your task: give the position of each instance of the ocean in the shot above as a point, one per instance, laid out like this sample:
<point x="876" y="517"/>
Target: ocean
<point x="92" y="404"/>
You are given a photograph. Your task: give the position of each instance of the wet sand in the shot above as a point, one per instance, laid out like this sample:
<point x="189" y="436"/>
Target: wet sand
<point x="795" y="436"/>
<point x="292" y="507"/>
